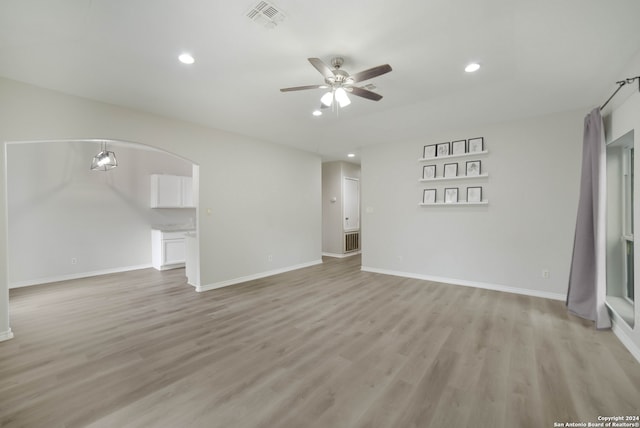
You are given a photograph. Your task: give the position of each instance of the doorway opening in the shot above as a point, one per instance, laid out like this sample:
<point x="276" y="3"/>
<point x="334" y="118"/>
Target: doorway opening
<point x="341" y="231"/>
<point x="65" y="221"/>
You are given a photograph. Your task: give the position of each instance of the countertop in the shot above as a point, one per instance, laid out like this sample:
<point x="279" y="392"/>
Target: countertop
<point x="173" y="228"/>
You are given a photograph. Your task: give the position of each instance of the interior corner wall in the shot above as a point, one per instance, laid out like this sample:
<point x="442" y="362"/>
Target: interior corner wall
<point x="5" y="329"/>
<point x="332" y="208"/>
<point x="251" y="207"/>
<point x="526" y="228"/>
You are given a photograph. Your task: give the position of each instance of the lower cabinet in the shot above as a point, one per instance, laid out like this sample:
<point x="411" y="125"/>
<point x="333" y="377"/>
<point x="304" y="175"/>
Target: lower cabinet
<point x="167" y="249"/>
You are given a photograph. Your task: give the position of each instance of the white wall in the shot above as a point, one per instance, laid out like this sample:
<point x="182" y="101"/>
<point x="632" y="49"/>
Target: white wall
<point x="527" y="227"/>
<point x="619" y="122"/>
<point x="350" y="170"/>
<point x="59" y="210"/>
<point x="331" y="211"/>
<point x="264" y="199"/>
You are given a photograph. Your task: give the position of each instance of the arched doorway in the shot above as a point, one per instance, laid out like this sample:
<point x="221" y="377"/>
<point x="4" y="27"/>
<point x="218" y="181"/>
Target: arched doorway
<point x="65" y="221"/>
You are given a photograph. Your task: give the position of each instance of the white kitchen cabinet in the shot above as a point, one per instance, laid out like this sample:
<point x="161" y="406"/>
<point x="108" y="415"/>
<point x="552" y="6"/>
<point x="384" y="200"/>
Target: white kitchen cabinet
<point x="167" y="249"/>
<point x="187" y="191"/>
<point x="171" y="191"/>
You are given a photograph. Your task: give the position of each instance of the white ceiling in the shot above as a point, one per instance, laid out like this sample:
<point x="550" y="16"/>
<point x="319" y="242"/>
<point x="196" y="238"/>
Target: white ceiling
<point x="537" y="57"/>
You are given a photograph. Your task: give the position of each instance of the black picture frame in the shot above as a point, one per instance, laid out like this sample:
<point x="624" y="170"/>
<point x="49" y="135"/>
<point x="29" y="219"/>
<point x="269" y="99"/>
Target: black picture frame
<point x="450" y="170"/>
<point x="474" y="194"/>
<point x="443" y="149"/>
<point x="429" y="151"/>
<point x="428" y="172"/>
<point x="473" y="168"/>
<point x="475" y="145"/>
<point x="429" y="196"/>
<point x="458" y="147"/>
<point x="451" y="195"/>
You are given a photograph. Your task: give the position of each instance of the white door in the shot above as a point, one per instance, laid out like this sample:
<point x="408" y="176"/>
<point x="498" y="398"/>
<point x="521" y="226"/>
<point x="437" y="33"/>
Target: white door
<point x="351" y="204"/>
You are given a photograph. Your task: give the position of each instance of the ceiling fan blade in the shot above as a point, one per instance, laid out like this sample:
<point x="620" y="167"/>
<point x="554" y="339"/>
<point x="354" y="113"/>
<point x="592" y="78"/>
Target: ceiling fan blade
<point x="365" y="93"/>
<point x="302" y="88"/>
<point x="371" y="73"/>
<point x="322" y="68"/>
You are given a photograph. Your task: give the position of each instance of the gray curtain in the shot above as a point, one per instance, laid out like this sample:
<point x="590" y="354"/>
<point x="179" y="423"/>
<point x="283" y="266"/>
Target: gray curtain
<point x="587" y="278"/>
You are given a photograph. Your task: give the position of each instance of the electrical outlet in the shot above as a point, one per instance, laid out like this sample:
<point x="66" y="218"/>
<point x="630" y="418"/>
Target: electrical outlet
<point x="270" y="257"/>
<point x="545" y="273"/>
<point x="74" y="261"/>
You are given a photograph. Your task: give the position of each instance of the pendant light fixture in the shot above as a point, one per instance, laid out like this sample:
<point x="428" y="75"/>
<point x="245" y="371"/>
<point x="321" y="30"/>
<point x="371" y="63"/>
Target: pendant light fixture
<point x="104" y="160"/>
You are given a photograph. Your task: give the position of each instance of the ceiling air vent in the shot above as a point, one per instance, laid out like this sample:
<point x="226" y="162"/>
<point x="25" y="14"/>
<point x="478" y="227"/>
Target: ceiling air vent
<point x="266" y="14"/>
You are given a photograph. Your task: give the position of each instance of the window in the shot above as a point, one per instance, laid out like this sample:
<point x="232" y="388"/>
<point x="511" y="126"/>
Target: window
<point x="620" y="243"/>
<point x="627" y="212"/>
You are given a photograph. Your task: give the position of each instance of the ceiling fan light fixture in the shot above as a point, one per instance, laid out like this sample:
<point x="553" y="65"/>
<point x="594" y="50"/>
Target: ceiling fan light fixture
<point x="327" y="99"/>
<point x="340" y="83"/>
<point x="342" y="98"/>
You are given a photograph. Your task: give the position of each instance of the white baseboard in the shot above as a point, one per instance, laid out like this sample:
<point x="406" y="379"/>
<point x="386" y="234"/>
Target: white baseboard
<point x="229" y="282"/>
<point x="341" y="256"/>
<point x="169" y="267"/>
<point x="79" y="275"/>
<point x="620" y="330"/>
<point x="465" y="283"/>
<point x="6" y="335"/>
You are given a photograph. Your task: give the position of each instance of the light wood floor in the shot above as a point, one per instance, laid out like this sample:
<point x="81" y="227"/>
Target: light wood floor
<point x="323" y="347"/>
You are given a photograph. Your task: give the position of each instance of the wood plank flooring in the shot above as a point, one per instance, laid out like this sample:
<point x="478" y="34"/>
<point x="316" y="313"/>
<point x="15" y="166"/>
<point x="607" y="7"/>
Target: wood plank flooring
<point x="322" y="347"/>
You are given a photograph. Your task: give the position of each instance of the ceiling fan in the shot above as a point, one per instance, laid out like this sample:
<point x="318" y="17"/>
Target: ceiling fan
<point x="339" y="82"/>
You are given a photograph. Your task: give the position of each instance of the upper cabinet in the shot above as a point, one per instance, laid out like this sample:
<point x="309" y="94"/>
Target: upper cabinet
<point x="171" y="191"/>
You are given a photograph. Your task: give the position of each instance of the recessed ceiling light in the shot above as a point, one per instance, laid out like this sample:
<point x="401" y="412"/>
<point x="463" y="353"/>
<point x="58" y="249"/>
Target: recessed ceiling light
<point x="351" y="155"/>
<point x="186" y="58"/>
<point x="317" y="113"/>
<point x="474" y="66"/>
